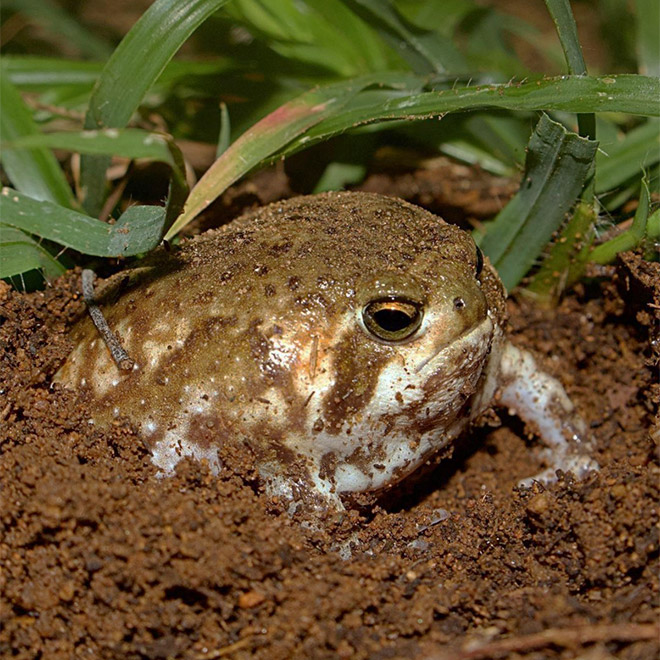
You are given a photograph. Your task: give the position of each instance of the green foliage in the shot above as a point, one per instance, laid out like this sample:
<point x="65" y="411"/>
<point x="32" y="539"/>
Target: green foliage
<point x="33" y="171"/>
<point x="272" y="79"/>
<point x="134" y="66"/>
<point x="555" y="170"/>
<point x="139" y="229"/>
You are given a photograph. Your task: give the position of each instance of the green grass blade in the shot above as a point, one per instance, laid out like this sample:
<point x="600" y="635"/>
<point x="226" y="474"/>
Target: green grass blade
<point x="323" y="33"/>
<point x="562" y="267"/>
<point x="20" y="253"/>
<point x="555" y="170"/>
<point x="28" y="72"/>
<point x="128" y="143"/>
<point x="133" y="68"/>
<point x="333" y="109"/>
<point x="504" y="135"/>
<point x="42" y="74"/>
<point x="267" y="137"/>
<point x="224" y="138"/>
<point x="562" y="16"/>
<point x="425" y="51"/>
<point x="473" y="154"/>
<point x="625" y="93"/>
<point x="648" y="36"/>
<point x="59" y="24"/>
<point x="124" y="142"/>
<point x="138" y="230"/>
<point x="35" y="172"/>
<point x="619" y="161"/>
<point x="643" y="226"/>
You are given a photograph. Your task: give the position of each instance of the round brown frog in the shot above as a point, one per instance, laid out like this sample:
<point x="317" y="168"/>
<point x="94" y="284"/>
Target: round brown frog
<point x="345" y="337"/>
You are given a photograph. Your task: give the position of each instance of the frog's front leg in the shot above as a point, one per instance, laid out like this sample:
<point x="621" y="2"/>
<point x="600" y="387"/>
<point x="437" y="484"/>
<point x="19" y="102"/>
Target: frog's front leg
<point x="541" y="401"/>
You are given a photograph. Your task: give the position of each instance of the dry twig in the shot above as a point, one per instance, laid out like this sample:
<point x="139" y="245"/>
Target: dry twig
<point x="561" y="637"/>
<point x="119" y="355"/>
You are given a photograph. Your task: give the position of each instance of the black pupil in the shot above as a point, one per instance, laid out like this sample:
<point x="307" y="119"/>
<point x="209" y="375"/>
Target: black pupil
<point x="392" y="320"/>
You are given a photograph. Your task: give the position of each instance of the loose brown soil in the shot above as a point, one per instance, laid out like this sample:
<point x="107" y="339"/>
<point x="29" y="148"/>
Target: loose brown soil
<point x="99" y="558"/>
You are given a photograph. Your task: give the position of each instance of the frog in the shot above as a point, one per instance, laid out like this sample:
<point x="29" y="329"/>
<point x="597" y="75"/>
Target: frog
<point x="344" y="337"/>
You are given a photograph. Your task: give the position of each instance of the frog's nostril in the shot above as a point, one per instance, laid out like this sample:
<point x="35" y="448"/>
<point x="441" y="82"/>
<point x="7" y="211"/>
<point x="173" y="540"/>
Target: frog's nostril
<point x="459" y="303"/>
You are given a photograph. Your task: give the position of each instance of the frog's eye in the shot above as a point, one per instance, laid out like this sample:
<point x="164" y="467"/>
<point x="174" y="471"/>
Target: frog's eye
<point x="392" y="319"/>
<point x="480" y="261"/>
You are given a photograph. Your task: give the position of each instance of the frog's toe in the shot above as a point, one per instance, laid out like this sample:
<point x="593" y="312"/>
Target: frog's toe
<point x="579" y="464"/>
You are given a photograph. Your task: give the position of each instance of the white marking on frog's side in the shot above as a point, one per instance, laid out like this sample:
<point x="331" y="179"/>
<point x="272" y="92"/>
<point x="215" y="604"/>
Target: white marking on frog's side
<point x="350" y="475"/>
<point x="153" y="352"/>
<point x="281" y="354"/>
<point x="179" y="441"/>
<point x="105" y="372"/>
<point x="167" y="453"/>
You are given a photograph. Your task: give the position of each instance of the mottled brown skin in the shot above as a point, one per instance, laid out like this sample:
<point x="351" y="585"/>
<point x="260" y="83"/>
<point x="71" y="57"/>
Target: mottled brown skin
<point x="253" y="333"/>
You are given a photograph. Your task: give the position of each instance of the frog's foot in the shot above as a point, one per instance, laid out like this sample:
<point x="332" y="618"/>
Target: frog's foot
<point x="541" y="401"/>
<point x="579" y="464"/>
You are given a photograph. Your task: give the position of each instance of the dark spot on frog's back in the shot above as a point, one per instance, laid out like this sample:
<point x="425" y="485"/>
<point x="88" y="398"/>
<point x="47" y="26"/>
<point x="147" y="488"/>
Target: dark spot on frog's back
<point x="278" y="249"/>
<point x="203" y="298"/>
<point x="314" y="300"/>
<point x="217" y="324"/>
<point x="260" y="348"/>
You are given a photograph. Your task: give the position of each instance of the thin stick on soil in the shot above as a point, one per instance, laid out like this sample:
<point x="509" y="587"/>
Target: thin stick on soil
<point x="560" y="637"/>
<point x="227" y="650"/>
<point x="119" y="355"/>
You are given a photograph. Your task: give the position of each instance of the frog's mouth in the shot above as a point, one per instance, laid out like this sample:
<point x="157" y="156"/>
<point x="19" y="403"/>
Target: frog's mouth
<point x="465" y="338"/>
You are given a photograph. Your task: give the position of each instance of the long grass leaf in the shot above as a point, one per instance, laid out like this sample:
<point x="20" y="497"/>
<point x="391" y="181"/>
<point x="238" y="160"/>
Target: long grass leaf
<point x="35" y="171"/>
<point x="327" y="111"/>
<point x="425" y="51"/>
<point x="28" y="72"/>
<point x="133" y="68"/>
<point x="20" y="253"/>
<point x="125" y="142"/>
<point x="624" y="93"/>
<point x="138" y="230"/>
<point x="562" y="266"/>
<point x="31" y="73"/>
<point x="562" y="15"/>
<point x="619" y="161"/>
<point x="555" y="170"/>
<point x="643" y="226"/>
